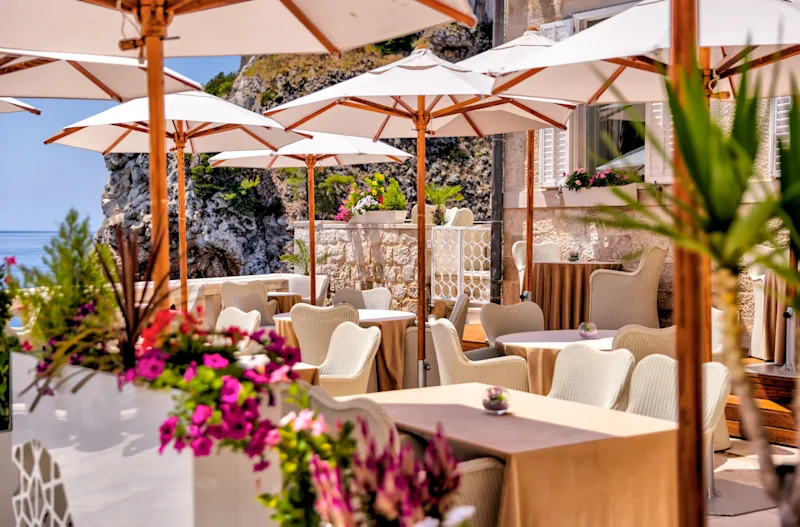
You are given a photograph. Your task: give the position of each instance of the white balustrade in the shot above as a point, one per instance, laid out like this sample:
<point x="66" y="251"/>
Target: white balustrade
<point x="461" y="263"/>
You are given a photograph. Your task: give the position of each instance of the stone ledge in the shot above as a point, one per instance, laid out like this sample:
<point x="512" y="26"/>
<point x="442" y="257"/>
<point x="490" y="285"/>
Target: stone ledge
<point x="327" y="224"/>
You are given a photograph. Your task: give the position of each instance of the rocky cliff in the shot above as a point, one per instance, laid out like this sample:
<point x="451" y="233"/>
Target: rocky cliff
<point x="238" y="220"/>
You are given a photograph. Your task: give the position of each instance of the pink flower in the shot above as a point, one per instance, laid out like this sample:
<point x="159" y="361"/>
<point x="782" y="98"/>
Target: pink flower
<point x="150" y="367"/>
<point x="26" y="346"/>
<point x="250" y="408"/>
<point x="201" y="446"/>
<point x="286" y="419"/>
<point x="202" y="413"/>
<point x="217" y="431"/>
<point x="125" y="378"/>
<point x="215" y="361"/>
<point x="191" y="372"/>
<point x="255" y="377"/>
<point x="10" y="260"/>
<point x="179" y="445"/>
<point x="237" y="427"/>
<point x="280" y="375"/>
<point x="303" y="421"/>
<point x="273" y="438"/>
<point x="258" y="335"/>
<point x="229" y="393"/>
<point x="602" y="176"/>
<point x="319" y="427"/>
<point x="261" y="466"/>
<point x="578" y="182"/>
<point x="167" y="431"/>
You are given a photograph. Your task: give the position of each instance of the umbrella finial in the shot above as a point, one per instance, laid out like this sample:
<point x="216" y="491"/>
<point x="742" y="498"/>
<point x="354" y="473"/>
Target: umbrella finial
<point x="423" y="45"/>
<point x="533" y="28"/>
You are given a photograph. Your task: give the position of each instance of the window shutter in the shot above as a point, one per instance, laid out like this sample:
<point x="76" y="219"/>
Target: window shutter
<point x="658" y="121"/>
<point x="554" y="145"/>
<point x="778" y="130"/>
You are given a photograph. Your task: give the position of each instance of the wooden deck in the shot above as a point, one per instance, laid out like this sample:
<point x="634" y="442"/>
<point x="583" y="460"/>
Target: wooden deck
<point x="474" y="337"/>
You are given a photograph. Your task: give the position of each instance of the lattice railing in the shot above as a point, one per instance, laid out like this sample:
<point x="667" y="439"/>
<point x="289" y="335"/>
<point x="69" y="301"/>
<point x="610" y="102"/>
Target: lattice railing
<point x="461" y="263"/>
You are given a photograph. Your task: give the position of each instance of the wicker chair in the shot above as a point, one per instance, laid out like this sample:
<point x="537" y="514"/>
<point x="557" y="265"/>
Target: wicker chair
<point x="301" y="285"/>
<point x="350" y="296"/>
<point x="314" y="327"/>
<point x="350" y="359"/>
<point x="456" y="217"/>
<point x="458" y="317"/>
<point x="500" y="320"/>
<point x="250" y="296"/>
<point x="428" y="214"/>
<point x="589" y="376"/>
<point x="248" y="322"/>
<point x="642" y="341"/>
<point x="481" y="478"/>
<point x="619" y="298"/>
<point x="455" y="368"/>
<point x="542" y="252"/>
<point x="377" y="298"/>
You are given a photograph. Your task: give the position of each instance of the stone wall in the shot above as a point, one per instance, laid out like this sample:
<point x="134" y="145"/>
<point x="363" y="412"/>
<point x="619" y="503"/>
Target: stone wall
<point x="367" y="256"/>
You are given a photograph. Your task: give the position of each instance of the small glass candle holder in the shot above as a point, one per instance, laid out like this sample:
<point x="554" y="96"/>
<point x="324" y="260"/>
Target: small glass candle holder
<point x="496" y="400"/>
<point x="587" y="330"/>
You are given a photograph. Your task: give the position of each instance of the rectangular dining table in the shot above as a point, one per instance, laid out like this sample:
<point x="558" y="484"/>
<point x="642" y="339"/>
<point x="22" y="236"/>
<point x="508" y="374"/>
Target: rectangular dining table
<point x="567" y="464"/>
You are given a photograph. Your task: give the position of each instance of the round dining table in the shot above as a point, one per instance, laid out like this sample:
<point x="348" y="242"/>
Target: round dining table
<point x="390" y="361"/>
<point x="285" y="300"/>
<point x="541" y="348"/>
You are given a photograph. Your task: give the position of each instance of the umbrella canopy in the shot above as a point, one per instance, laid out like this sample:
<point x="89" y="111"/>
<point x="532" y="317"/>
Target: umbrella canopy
<point x="497" y="58"/>
<point x="238" y="27"/>
<point x="210" y="124"/>
<point x="73" y="76"/>
<point x="631" y="51"/>
<point x="9" y="105"/>
<point x="380" y="103"/>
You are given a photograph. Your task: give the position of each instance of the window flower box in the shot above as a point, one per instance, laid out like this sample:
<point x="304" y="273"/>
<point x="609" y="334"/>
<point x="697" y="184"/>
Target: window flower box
<point x="380" y="216"/>
<point x="594" y="197"/>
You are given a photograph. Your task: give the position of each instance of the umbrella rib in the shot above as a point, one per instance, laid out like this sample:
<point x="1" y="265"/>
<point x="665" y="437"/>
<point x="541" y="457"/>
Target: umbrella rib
<point x="117" y="141"/>
<point x="309" y="116"/>
<point x="28" y="64"/>
<point x="338" y="161"/>
<point x="538" y="115"/>
<point x="728" y="62"/>
<point x="468" y="119"/>
<point x="637" y="65"/>
<point x="395" y="159"/>
<point x="466" y="19"/>
<point x="609" y="81"/>
<point x="456" y="106"/>
<point x="191" y="84"/>
<point x="376" y="109"/>
<point x="8" y="58"/>
<point x="516" y="80"/>
<point x="474" y="107"/>
<point x="34" y="111"/>
<point x="382" y="108"/>
<point x="218" y="129"/>
<point x="94" y="80"/>
<point x="134" y="128"/>
<point x="399" y="100"/>
<point x="433" y="103"/>
<point x="312" y="28"/>
<point x="196" y="129"/>
<point x="62" y="135"/>
<point x="383" y="125"/>
<point x="762" y="61"/>
<point x="254" y="136"/>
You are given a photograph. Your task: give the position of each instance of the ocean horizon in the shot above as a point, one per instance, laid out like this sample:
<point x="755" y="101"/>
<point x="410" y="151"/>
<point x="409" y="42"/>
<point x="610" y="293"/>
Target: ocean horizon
<point x="26" y="246"/>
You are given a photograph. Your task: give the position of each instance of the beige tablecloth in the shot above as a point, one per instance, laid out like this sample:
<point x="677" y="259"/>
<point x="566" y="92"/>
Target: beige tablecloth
<point x="285" y="301"/>
<point x="390" y="359"/>
<point x="561" y="289"/>
<point x="774" y="334"/>
<point x="567" y="464"/>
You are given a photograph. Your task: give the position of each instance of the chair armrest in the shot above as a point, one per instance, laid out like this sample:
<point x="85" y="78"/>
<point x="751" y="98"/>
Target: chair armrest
<point x="510" y="372"/>
<point x="338" y="386"/>
<point x="481" y="487"/>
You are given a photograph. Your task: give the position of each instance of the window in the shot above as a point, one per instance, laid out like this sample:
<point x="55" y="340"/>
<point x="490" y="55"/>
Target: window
<point x="778" y="130"/>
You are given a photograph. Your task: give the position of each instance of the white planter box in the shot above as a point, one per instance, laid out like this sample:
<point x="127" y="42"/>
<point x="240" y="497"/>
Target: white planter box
<point x="380" y="216"/>
<point x="105" y="444"/>
<point x="593" y="197"/>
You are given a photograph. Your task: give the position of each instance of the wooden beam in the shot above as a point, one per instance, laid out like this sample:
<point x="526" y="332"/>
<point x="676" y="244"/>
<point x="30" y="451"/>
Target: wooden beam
<point x="383" y="108"/>
<point x="119" y="139"/>
<point x="433" y="103"/>
<point x="475" y="107"/>
<point x="383" y="125"/>
<point x="215" y="130"/>
<point x="528" y="275"/>
<point x="609" y="81"/>
<point x="257" y="138"/>
<point x="637" y="65"/>
<point x="190" y="133"/>
<point x="28" y="64"/>
<point x="94" y="80"/>
<point x="8" y="58"/>
<point x="34" y="111"/>
<point x="469" y="120"/>
<point x="728" y="62"/>
<point x="525" y="75"/>
<point x="399" y="100"/>
<point x="538" y="115"/>
<point x="338" y="161"/>
<point x="309" y="116"/>
<point x="177" y="7"/>
<point x="451" y="109"/>
<point x="396" y="159"/>
<point x="387" y="111"/>
<point x="65" y="133"/>
<point x="312" y="28"/>
<point x="136" y="129"/>
<point x="468" y="20"/>
<point x="766" y="60"/>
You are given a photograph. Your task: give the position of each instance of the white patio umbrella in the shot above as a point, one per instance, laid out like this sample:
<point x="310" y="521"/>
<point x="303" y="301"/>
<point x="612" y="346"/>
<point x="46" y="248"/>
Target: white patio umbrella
<point x="238" y="27"/>
<point x="322" y="150"/>
<point x="194" y="120"/>
<point x="491" y="62"/>
<point x="76" y="76"/>
<point x="631" y="51"/>
<point x="9" y="105"/>
<point x="415" y="96"/>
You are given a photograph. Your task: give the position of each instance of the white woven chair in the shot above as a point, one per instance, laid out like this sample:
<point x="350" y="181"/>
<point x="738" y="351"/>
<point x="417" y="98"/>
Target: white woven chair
<point x="428" y="214"/>
<point x="350" y="296"/>
<point x="642" y="341"/>
<point x="619" y="298"/>
<point x="250" y="296"/>
<point x="542" y="252"/>
<point x="585" y="375"/>
<point x="500" y="320"/>
<point x="481" y="478"/>
<point x="456" y="217"/>
<point x="757" y="272"/>
<point x="314" y="327"/>
<point x="377" y="298"/>
<point x="301" y="285"/>
<point x="458" y="317"/>
<point x="455" y="368"/>
<point x="350" y="359"/>
<point x="249" y="322"/>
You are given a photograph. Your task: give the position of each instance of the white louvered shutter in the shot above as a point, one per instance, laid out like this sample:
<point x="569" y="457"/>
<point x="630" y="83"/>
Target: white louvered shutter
<point x="658" y="120"/>
<point x="778" y="130"/>
<point x="554" y="144"/>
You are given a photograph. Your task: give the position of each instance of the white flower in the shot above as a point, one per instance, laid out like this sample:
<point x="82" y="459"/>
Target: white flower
<point x="364" y="204"/>
<point x="427" y="522"/>
<point x="459" y="516"/>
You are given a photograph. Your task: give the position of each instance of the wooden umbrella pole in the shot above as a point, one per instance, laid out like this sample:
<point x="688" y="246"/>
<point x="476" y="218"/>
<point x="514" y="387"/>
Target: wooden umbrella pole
<point x="421" y="122"/>
<point x="688" y="308"/>
<point x="529" y="225"/>
<point x="312" y="238"/>
<point x="180" y="145"/>
<point x="706" y="287"/>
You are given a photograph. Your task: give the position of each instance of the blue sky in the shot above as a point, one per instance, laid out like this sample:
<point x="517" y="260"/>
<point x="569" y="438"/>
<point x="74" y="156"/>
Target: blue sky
<point x="38" y="183"/>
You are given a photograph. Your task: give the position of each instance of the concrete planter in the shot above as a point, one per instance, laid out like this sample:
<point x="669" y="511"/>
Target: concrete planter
<point x="380" y="216"/>
<point x="95" y="456"/>
<point x="593" y="197"/>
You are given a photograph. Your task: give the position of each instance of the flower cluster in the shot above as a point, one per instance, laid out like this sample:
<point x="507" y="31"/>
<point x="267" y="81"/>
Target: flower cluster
<point x="366" y="204"/>
<point x="7" y="341"/>
<point x="496" y="393"/>
<point x="580" y="179"/>
<point x="376" y="196"/>
<point x="388" y="487"/>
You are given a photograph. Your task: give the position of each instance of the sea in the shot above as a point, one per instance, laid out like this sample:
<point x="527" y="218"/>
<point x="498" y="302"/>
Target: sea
<point x="26" y="246"/>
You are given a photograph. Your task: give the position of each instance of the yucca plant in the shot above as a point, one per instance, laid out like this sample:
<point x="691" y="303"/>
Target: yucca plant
<point x="440" y="196"/>
<point x="716" y="222"/>
<point x="302" y="258"/>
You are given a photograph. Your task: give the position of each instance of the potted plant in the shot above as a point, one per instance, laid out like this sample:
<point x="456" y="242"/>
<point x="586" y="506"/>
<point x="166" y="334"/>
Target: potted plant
<point x="580" y="189"/>
<point x="8" y="341"/>
<point x="440" y="196"/>
<point x="301" y="260"/>
<point x="375" y="204"/>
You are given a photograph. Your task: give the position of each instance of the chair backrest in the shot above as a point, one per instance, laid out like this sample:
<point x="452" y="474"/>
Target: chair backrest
<point x="449" y="355"/>
<point x="377" y="298"/>
<point x="235" y="317"/>
<point x="500" y="320"/>
<point x="301" y="285"/>
<point x="717" y="330"/>
<point x="459" y="218"/>
<point x="585" y="375"/>
<point x="642" y="341"/>
<point x="314" y="327"/>
<point x="757" y="269"/>
<point x="350" y="296"/>
<point x="351" y="347"/>
<point x="652" y="263"/>
<point x="542" y="252"/>
<point x="249" y="296"/>
<point x="323" y="284"/>
<point x="459" y="314"/>
<point x="428" y="214"/>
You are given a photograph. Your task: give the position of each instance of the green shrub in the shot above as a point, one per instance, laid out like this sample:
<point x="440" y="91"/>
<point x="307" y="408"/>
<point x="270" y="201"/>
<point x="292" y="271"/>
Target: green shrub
<point x="393" y="198"/>
<point x="331" y="192"/>
<point x="221" y="84"/>
<point x="240" y="192"/>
